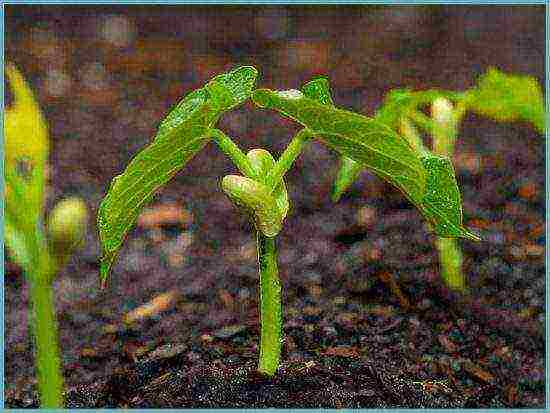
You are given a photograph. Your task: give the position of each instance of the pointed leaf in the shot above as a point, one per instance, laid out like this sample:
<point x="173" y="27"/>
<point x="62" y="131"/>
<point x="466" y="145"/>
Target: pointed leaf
<point x="506" y="97"/>
<point x="429" y="182"/>
<point x="442" y="204"/>
<point x="183" y="132"/>
<point x="347" y="174"/>
<point x="255" y="199"/>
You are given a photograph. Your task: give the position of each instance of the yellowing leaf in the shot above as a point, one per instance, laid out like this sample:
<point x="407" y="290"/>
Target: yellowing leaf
<point x="25" y="154"/>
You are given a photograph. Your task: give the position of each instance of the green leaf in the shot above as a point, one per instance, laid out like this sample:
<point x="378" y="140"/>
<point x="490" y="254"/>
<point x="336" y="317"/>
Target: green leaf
<point x="347" y="174"/>
<point x="427" y="180"/>
<point x="399" y="103"/>
<point x="396" y="104"/>
<point x="442" y="204"/>
<point x="183" y="133"/>
<point x="505" y="97"/>
<point x="319" y="90"/>
<point x="362" y="139"/>
<point x="254" y="197"/>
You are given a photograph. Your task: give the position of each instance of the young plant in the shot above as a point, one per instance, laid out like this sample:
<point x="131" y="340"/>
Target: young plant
<point x="497" y="95"/>
<point x="40" y="253"/>
<point x="426" y="179"/>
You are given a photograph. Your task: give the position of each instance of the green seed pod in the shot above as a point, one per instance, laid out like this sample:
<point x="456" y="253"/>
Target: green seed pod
<point x="66" y="227"/>
<point x="254" y="198"/>
<point x="262" y="162"/>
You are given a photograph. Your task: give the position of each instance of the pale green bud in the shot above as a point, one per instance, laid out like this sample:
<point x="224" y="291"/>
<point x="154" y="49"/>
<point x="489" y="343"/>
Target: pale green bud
<point x="442" y="112"/>
<point x="444" y="138"/>
<point x="67" y="225"/>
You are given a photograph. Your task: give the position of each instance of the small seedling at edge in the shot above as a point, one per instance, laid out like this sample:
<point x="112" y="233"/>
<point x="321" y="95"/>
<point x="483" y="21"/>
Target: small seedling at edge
<point x="40" y="251"/>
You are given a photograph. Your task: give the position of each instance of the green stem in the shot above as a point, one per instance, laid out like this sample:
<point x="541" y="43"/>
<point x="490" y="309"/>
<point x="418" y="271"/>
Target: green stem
<point x="450" y="255"/>
<point x="44" y="326"/>
<point x="450" y="262"/>
<point x="270" y="305"/>
<point x="226" y="144"/>
<point x="287" y="158"/>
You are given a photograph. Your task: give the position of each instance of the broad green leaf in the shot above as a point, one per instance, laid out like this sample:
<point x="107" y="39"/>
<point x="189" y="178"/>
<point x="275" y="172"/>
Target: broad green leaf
<point x="183" y="133"/>
<point x="262" y="162"/>
<point x="427" y="180"/>
<point x="254" y="197"/>
<point x="362" y="139"/>
<point x="505" y="97"/>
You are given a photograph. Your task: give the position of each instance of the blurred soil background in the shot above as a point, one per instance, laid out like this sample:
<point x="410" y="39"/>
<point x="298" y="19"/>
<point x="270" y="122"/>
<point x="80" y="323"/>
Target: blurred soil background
<point x="361" y="279"/>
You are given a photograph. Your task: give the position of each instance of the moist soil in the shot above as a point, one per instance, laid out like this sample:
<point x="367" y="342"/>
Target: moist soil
<point x="367" y="319"/>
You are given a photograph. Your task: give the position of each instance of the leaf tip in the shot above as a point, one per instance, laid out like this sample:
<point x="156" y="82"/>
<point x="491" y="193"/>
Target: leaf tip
<point x="336" y="194"/>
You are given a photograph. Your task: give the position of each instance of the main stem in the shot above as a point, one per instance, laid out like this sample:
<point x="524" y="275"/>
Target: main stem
<point x="450" y="255"/>
<point x="270" y="305"/>
<point x="44" y="327"/>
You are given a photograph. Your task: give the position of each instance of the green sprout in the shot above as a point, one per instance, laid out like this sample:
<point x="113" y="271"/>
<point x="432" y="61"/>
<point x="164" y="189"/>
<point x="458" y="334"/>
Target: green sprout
<point x="497" y="95"/>
<point x="426" y="179"/>
<point x="41" y="252"/>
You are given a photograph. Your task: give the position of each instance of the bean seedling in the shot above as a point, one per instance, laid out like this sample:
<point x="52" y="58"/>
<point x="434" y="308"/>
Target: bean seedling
<point x="425" y="178"/>
<point x="497" y="95"/>
<point x="41" y="252"/>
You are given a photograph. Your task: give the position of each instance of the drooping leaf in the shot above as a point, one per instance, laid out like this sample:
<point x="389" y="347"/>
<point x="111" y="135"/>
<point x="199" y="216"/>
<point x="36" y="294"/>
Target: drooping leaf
<point x="26" y="145"/>
<point x="348" y="172"/>
<point x="442" y="204"/>
<point x="505" y="97"/>
<point x="426" y="179"/>
<point x="254" y="197"/>
<point x="358" y="137"/>
<point x="182" y="134"/>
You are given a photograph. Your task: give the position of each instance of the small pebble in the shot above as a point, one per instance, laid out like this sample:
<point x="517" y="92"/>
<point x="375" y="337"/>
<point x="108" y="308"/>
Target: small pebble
<point x="229" y="331"/>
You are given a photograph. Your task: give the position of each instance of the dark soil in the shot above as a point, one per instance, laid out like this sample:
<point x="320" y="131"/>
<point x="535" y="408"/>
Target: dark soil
<point x="368" y="322"/>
